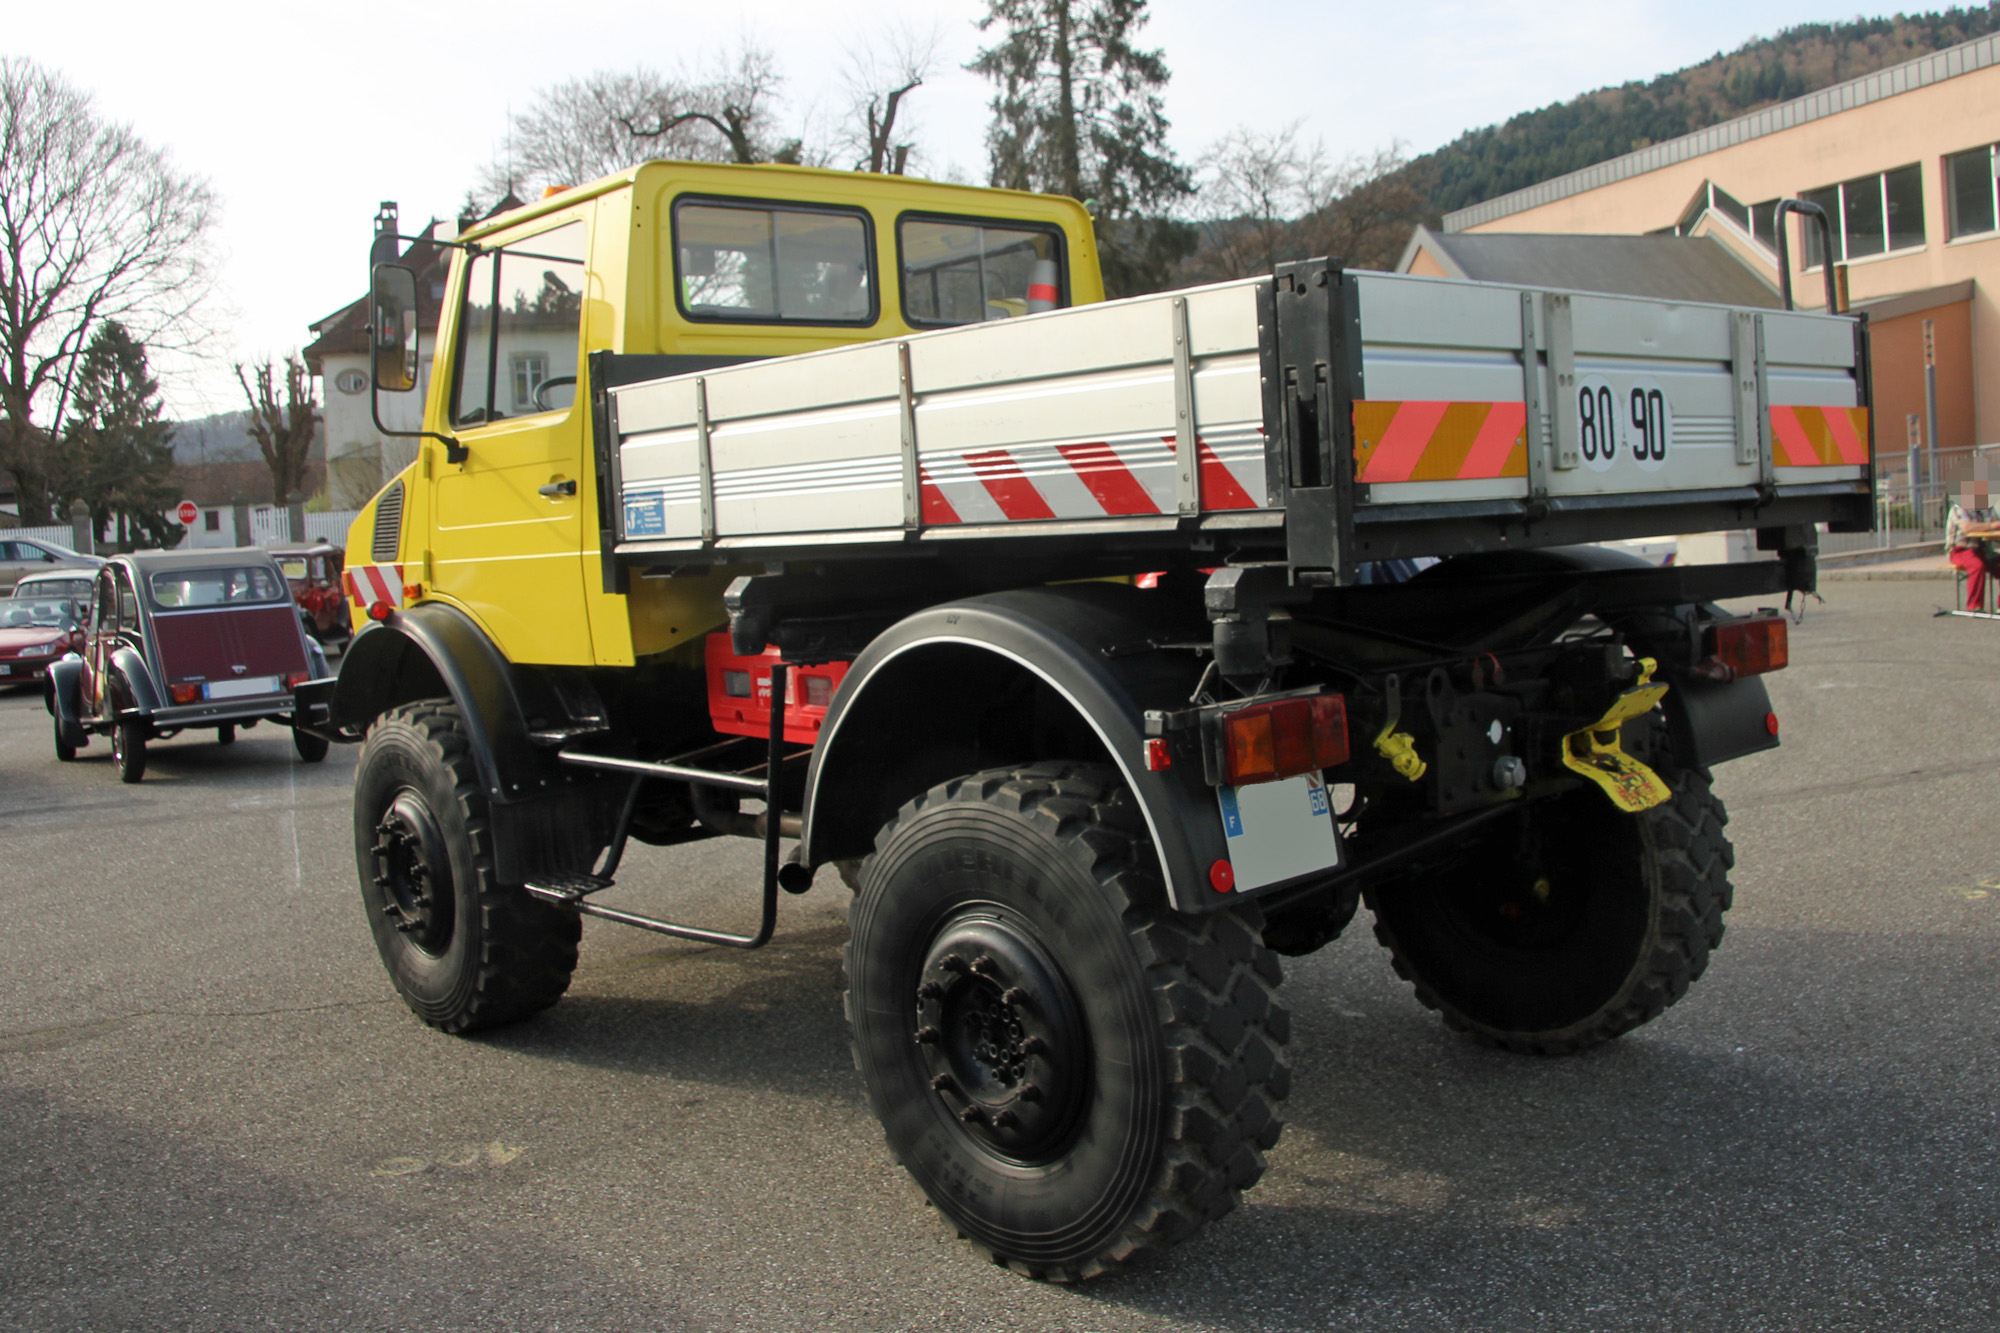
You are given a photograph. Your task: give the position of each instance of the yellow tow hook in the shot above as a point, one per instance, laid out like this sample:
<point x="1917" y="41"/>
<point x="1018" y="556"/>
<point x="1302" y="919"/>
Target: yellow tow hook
<point x="1597" y="752"/>
<point x="1398" y="747"/>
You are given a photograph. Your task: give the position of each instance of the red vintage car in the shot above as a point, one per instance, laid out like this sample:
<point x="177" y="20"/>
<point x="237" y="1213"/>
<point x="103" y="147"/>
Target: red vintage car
<point x="313" y="569"/>
<point x="34" y="633"/>
<point x="185" y="640"/>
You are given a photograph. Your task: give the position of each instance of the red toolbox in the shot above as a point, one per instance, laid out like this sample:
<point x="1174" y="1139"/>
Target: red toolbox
<point x="739" y="693"/>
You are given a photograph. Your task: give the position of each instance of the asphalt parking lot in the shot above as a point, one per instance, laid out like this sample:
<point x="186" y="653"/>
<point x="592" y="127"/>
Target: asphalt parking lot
<point x="214" y="1113"/>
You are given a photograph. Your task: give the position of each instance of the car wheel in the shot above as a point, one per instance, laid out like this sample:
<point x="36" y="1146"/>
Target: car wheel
<point x="226" y="734"/>
<point x="64" y="750"/>
<point x="311" y="748"/>
<point x="128" y="749"/>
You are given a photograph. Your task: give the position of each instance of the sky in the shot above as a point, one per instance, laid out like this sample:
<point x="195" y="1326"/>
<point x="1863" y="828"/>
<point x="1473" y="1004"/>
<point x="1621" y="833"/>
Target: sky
<point x="303" y="118"/>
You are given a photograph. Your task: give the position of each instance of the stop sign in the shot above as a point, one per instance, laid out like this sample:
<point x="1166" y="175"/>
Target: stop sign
<point x="187" y="513"/>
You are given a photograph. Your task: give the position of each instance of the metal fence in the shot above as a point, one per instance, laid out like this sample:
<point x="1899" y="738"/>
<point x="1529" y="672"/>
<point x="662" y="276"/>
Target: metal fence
<point x="269" y="526"/>
<point x="1909" y="510"/>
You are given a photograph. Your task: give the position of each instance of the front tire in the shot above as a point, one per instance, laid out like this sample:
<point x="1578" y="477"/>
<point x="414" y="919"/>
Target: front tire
<point x="1072" y="1072"/>
<point x="65" y="752"/>
<point x="463" y="951"/>
<point x="1571" y="923"/>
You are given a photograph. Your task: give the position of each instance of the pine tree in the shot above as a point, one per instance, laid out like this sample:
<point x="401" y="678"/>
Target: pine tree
<point x="1078" y="113"/>
<point x="118" y="448"/>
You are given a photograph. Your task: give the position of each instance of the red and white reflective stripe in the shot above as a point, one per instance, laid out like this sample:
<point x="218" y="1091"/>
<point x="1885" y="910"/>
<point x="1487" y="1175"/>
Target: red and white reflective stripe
<point x="1084" y="479"/>
<point x="369" y="584"/>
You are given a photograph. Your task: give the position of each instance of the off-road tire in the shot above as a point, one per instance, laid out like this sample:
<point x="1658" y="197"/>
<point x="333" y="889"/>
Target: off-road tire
<point x="1632" y="911"/>
<point x="475" y="954"/>
<point x="1163" y="1096"/>
<point x="310" y="747"/>
<point x="128" y="749"/>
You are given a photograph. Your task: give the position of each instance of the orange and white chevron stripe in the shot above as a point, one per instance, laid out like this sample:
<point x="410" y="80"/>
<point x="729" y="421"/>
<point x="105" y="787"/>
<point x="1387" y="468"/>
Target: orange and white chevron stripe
<point x="369" y="584"/>
<point x="1819" y="436"/>
<point x="1412" y="440"/>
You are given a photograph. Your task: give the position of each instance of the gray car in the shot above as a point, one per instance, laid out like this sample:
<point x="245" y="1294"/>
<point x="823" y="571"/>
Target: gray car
<point x="21" y="556"/>
<point x="64" y="583"/>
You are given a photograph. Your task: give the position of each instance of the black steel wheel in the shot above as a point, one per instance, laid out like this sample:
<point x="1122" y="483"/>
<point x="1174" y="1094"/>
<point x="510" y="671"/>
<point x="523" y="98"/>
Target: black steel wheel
<point x="1072" y="1072"/>
<point x="464" y="951"/>
<point x="1569" y="923"/>
<point x="311" y="748"/>
<point x="128" y="749"/>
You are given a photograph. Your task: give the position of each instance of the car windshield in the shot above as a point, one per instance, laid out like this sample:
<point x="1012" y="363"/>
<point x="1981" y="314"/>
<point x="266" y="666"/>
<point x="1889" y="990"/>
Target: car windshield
<point x="234" y="585"/>
<point x="43" y="588"/>
<point x="52" y="613"/>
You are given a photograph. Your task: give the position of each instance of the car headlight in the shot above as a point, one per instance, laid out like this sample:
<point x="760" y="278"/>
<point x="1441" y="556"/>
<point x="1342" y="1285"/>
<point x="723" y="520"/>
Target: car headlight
<point x="37" y="650"/>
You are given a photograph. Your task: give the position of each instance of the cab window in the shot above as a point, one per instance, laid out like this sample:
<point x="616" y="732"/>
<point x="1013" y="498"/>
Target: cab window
<point x="967" y="271"/>
<point x="737" y="260"/>
<point x="519" y="327"/>
<point x="128" y="604"/>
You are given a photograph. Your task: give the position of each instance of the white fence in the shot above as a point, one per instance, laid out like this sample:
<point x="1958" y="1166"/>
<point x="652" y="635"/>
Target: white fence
<point x="269" y="526"/>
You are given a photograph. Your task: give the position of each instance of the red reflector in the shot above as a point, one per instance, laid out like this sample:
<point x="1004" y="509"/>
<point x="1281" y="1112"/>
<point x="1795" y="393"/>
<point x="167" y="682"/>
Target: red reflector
<point x="1223" y="876"/>
<point x="1771" y="723"/>
<point x="1751" y="647"/>
<point x="185" y="694"/>
<point x="1282" y="739"/>
<point x="1158" y="759"/>
<point x="296" y="679"/>
<point x="381" y="611"/>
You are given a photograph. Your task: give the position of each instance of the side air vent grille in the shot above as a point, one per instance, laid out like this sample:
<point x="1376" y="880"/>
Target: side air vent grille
<point x="388" y="526"/>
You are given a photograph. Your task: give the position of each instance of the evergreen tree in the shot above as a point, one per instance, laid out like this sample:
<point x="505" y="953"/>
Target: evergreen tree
<point x="117" y="447"/>
<point x="1078" y="113"/>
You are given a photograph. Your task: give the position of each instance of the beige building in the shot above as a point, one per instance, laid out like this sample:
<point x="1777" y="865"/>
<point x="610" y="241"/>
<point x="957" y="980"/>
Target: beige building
<point x="1904" y="162"/>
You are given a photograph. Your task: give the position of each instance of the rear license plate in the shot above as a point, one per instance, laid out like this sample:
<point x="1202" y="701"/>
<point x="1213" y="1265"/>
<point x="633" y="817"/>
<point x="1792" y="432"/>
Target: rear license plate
<point x="6" y="670"/>
<point x="240" y="689"/>
<point x="1279" y="830"/>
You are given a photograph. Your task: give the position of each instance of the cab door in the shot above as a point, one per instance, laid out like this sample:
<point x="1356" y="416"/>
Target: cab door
<point x="507" y="531"/>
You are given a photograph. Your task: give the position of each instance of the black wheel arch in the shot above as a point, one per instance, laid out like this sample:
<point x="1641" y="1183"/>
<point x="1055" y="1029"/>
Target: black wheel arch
<point x="998" y="679"/>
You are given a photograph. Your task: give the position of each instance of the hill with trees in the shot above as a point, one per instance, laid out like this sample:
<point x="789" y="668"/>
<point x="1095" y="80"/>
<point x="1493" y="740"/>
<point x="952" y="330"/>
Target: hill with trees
<point x="1538" y="145"/>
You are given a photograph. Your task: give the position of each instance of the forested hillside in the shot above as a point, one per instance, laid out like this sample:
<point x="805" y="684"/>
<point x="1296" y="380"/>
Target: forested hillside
<point x="1538" y="145"/>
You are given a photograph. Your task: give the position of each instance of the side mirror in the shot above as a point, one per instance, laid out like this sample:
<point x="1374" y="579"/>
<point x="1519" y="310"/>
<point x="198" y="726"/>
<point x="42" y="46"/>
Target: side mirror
<point x="392" y="328"/>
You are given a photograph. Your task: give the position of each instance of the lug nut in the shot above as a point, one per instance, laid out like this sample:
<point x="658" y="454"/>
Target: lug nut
<point x="1013" y="995"/>
<point x="928" y="1036"/>
<point x="972" y="1115"/>
<point x="951" y="962"/>
<point x="1006" y="1120"/>
<point x="1030" y="1092"/>
<point x="1034" y="1046"/>
<point x="984" y="965"/>
<point x="941" y="1082"/>
<point x="930" y="990"/>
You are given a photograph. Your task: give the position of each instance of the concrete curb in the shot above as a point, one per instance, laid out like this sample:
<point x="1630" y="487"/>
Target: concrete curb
<point x="1885" y="575"/>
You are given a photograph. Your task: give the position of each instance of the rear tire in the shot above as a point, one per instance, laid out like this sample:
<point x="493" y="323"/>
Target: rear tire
<point x="311" y="748"/>
<point x="128" y="749"/>
<point x="464" y="951"/>
<point x="65" y="752"/>
<point x="1072" y="1072"/>
<point x="226" y="734"/>
<point x="1572" y="923"/>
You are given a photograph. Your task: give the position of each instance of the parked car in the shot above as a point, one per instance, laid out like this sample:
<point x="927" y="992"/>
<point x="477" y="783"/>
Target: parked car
<point x="70" y="585"/>
<point x="313" y="570"/>
<point x="35" y="632"/>
<point x="29" y="555"/>
<point x="184" y="640"/>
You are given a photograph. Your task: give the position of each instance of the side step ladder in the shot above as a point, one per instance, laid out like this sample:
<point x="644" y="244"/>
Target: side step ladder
<point x="572" y="889"/>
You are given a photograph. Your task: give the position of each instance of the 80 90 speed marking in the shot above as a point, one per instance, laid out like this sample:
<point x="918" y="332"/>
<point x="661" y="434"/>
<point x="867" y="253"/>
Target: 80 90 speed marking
<point x="1633" y="422"/>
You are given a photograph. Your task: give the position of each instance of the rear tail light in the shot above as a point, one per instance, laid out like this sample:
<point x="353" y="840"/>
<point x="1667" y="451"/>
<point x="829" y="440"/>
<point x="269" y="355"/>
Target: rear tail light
<point x="1284" y="738"/>
<point x="296" y="679"/>
<point x="1751" y="647"/>
<point x="185" y="694"/>
<point x="381" y="611"/>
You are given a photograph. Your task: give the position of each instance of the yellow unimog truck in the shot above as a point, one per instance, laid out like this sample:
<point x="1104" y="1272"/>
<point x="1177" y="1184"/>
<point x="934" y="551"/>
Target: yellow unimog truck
<point x="1107" y="650"/>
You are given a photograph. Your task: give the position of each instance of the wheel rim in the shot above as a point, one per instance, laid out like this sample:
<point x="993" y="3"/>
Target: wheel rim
<point x="1001" y="1035"/>
<point x="413" y="872"/>
<point x="119" y="752"/>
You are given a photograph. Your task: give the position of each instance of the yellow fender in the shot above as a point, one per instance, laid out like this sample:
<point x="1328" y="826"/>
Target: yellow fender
<point x="1597" y="752"/>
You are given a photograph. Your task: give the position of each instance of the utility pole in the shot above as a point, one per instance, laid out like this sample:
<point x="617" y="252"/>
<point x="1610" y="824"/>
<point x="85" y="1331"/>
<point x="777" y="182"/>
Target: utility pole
<point x="1930" y="400"/>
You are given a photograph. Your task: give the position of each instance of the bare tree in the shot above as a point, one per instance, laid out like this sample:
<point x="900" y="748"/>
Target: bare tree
<point x="1253" y="192"/>
<point x="283" y="431"/>
<point x="95" y="225"/>
<point x="607" y="121"/>
<point x="1378" y="199"/>
<point x="879" y="74"/>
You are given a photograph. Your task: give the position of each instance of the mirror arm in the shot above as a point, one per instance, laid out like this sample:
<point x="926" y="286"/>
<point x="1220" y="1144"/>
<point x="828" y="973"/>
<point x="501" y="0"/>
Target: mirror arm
<point x="454" y="452"/>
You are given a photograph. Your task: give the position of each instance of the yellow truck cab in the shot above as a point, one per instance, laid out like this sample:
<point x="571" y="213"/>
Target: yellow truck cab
<point x="699" y="266"/>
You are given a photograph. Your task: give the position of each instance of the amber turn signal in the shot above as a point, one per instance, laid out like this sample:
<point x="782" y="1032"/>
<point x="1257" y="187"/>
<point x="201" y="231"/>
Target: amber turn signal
<point x="1284" y="738"/>
<point x="1751" y="647"/>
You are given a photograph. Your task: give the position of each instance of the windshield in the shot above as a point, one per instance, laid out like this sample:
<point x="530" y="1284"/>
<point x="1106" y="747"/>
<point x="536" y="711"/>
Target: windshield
<point x="50" y="614"/>
<point x="236" y="585"/>
<point x="28" y="588"/>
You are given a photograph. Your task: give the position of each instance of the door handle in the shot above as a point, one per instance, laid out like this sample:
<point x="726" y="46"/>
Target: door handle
<point x="556" y="489"/>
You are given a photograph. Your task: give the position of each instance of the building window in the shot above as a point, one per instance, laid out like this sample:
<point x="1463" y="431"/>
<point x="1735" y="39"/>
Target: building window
<point x="1970" y="185"/>
<point x="1870" y="215"/>
<point x="211" y="520"/>
<point x="529" y="372"/>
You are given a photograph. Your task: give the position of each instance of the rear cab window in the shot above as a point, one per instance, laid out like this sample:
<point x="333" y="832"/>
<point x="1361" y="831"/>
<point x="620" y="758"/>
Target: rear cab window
<point x="764" y="262"/>
<point x="232" y="585"/>
<point x="958" y="270"/>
